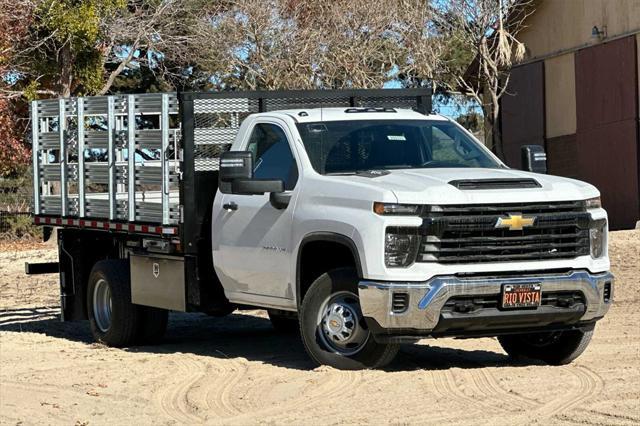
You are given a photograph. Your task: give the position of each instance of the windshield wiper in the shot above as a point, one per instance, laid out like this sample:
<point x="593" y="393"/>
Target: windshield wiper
<point x="340" y="174"/>
<point x="363" y="172"/>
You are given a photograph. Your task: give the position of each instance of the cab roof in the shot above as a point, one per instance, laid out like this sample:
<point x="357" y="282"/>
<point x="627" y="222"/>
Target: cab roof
<point x="311" y="115"/>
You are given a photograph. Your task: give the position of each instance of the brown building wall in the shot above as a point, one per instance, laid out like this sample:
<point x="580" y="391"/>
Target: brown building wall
<point x="559" y="25"/>
<point x="560" y="95"/>
<point x="562" y="156"/>
<point x="586" y="106"/>
<point x="638" y="68"/>
<point x="523" y="111"/>
<point x="607" y="126"/>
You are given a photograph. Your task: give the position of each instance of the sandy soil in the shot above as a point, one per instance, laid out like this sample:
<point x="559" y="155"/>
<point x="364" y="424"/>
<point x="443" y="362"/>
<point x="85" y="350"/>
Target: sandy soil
<point x="237" y="370"/>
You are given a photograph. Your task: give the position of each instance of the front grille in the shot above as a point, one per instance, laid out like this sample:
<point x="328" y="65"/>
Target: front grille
<point x="469" y="234"/>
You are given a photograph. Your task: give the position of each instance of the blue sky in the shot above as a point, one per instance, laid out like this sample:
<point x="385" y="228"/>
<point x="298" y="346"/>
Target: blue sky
<point x="447" y="108"/>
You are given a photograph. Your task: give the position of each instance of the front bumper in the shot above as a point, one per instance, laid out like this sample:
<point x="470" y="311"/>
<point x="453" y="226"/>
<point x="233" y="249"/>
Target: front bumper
<point x="424" y="309"/>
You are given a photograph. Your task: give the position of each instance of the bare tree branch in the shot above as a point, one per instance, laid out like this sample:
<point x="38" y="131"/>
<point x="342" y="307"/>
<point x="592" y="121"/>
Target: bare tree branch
<point x="489" y="29"/>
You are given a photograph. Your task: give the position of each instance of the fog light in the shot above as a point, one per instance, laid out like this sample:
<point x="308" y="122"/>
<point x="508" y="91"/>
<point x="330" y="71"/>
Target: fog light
<point x="597" y="237"/>
<point x="400" y="249"/>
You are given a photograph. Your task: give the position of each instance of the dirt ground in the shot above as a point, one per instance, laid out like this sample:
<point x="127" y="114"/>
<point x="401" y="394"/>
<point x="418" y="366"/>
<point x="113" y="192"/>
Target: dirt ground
<point x="237" y="370"/>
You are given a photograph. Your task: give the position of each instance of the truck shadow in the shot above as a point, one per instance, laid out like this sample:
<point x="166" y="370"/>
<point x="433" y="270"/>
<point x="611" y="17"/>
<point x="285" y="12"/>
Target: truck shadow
<point x="242" y="336"/>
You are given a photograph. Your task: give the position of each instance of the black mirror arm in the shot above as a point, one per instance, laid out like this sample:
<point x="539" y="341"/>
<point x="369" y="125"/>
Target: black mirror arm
<point x="280" y="200"/>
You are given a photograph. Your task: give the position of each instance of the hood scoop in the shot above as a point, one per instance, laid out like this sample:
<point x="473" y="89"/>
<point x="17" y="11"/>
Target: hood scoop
<point x="513" y="183"/>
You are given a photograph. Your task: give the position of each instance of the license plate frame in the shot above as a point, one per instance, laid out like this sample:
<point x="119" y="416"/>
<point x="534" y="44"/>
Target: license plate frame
<point x="521" y="296"/>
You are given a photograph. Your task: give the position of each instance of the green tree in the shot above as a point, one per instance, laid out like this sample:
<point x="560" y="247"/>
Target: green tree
<point x="70" y="59"/>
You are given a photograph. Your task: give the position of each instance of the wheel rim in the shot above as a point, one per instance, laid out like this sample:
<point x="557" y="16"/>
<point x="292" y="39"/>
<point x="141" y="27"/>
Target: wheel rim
<point x="102" y="304"/>
<point x="340" y="324"/>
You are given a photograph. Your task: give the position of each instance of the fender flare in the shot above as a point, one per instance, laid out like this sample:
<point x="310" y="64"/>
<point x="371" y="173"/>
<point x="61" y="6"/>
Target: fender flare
<point x="328" y="237"/>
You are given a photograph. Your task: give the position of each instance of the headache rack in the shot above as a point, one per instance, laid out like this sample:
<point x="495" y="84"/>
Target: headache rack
<point x="148" y="162"/>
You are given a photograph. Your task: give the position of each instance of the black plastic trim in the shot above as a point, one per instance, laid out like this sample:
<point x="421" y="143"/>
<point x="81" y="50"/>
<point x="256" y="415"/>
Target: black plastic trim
<point x="41" y="268"/>
<point x="409" y="334"/>
<point x="329" y="237"/>
<point x="510" y="183"/>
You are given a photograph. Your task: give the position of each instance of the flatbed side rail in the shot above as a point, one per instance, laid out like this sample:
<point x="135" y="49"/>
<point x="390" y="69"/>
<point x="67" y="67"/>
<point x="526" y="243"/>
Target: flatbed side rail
<point x="108" y="159"/>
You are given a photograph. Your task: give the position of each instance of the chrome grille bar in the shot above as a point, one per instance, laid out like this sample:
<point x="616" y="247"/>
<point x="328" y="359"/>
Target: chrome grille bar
<point x="468" y="234"/>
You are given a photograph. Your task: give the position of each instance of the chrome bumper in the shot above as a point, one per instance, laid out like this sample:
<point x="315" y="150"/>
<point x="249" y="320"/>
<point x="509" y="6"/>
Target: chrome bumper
<point x="426" y="299"/>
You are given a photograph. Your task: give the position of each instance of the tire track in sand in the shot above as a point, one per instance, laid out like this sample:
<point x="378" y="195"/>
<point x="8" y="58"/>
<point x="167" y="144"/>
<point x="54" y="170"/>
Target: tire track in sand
<point x="487" y="384"/>
<point x="444" y="384"/>
<point x="611" y="416"/>
<point x="337" y="384"/>
<point x="484" y="387"/>
<point x="217" y="393"/>
<point x="172" y="398"/>
<point x="590" y="384"/>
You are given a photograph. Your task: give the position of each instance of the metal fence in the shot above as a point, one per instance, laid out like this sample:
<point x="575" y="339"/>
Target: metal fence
<point x="8" y="218"/>
<point x="16" y="200"/>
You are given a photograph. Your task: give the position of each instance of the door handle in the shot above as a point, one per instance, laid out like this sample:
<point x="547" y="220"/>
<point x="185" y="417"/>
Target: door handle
<point x="230" y="206"/>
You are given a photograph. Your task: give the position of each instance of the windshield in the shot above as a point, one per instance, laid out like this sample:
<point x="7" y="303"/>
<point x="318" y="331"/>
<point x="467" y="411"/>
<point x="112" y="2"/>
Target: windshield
<point x="338" y="147"/>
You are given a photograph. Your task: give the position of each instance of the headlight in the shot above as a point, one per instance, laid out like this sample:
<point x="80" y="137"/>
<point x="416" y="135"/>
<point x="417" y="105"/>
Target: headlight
<point x="400" y="249"/>
<point x="396" y="209"/>
<point x="593" y="203"/>
<point x="597" y="237"/>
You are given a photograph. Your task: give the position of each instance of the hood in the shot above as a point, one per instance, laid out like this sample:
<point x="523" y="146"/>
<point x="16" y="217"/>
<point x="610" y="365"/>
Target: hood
<point x="431" y="186"/>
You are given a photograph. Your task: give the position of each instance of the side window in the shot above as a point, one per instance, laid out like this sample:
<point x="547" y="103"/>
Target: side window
<point x="272" y="157"/>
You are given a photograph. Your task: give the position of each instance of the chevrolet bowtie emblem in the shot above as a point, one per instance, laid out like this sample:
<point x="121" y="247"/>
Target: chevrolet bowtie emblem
<point x="515" y="222"/>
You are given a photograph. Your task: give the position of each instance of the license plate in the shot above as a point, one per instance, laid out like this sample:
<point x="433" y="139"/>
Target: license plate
<point x="515" y="296"/>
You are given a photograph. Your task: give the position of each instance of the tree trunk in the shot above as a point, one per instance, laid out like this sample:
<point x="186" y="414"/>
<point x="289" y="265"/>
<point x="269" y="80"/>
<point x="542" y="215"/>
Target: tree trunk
<point x="496" y="135"/>
<point x="66" y="70"/>
<point x="493" y="134"/>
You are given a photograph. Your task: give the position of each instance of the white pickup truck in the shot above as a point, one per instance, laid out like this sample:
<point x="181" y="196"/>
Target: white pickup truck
<point x="363" y="224"/>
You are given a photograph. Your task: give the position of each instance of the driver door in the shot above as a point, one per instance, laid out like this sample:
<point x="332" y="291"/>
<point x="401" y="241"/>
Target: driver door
<point x="254" y="237"/>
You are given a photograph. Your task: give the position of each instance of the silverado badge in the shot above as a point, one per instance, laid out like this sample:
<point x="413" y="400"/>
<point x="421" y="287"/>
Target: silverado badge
<point x="515" y="222"/>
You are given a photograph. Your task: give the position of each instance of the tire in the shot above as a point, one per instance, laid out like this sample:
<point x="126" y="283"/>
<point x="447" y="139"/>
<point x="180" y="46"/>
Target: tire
<point x="153" y="325"/>
<point x="283" y="323"/>
<point x="555" y="348"/>
<point x="330" y="305"/>
<point x="222" y="310"/>
<point x="109" y="280"/>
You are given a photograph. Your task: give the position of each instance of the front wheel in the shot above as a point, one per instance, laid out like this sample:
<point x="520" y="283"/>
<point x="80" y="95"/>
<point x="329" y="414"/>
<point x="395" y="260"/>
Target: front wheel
<point x="333" y="329"/>
<point x="556" y="348"/>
